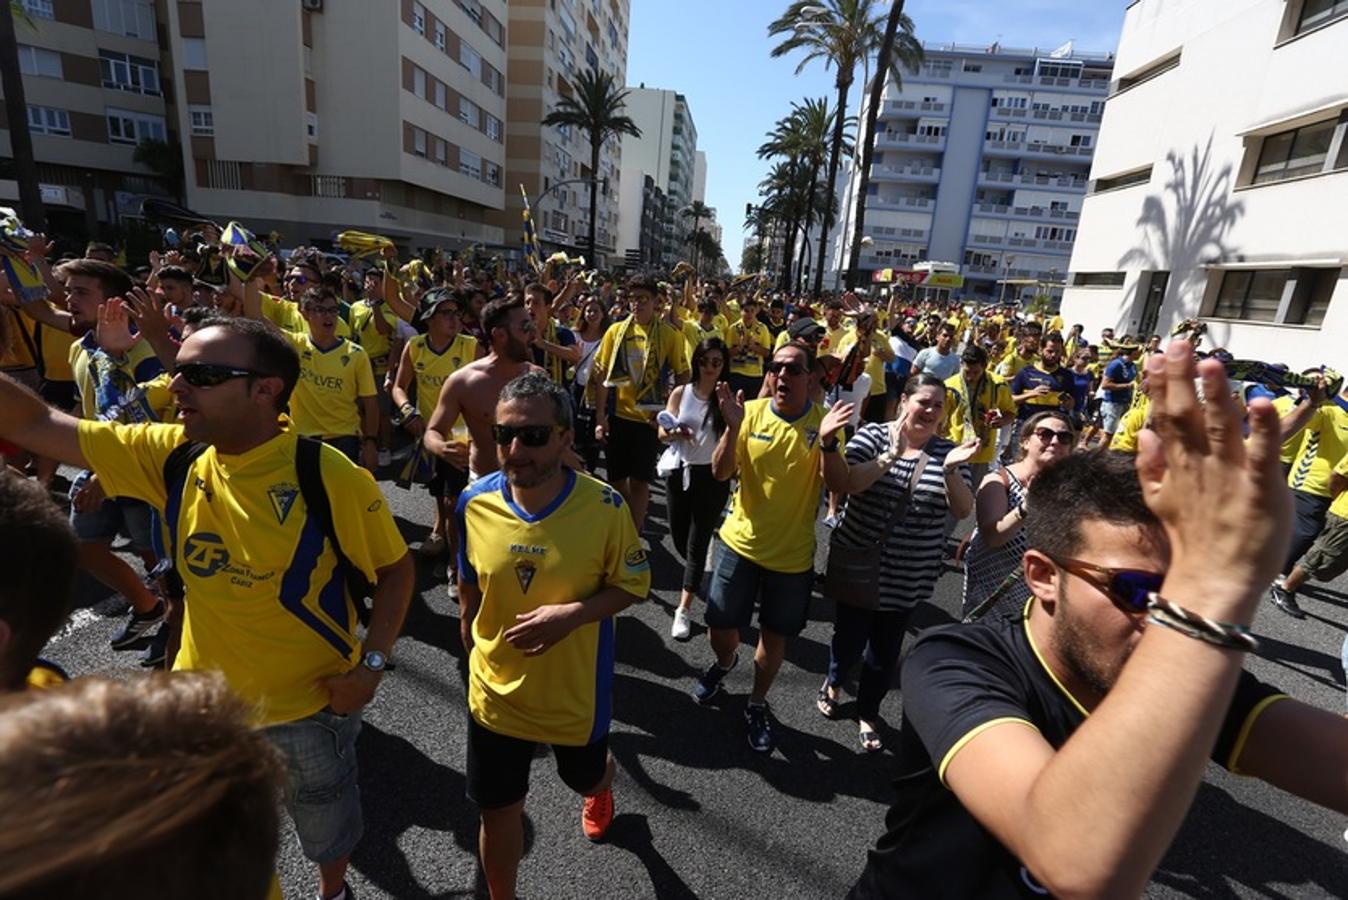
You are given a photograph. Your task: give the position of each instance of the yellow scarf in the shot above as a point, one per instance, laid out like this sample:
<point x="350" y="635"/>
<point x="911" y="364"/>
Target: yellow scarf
<point x="551" y="361"/>
<point x="648" y="380"/>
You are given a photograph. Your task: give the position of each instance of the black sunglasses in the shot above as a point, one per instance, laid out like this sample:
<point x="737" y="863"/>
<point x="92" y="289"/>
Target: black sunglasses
<point x="790" y="368"/>
<point x="1127" y="589"/>
<point x="529" y="435"/>
<point x="203" y="375"/>
<point x="1048" y="435"/>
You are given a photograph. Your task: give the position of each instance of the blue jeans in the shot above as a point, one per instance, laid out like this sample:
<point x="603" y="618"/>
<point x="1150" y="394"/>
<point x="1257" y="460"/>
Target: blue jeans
<point x="875" y="637"/>
<point x="738" y="583"/>
<point x="321" y="794"/>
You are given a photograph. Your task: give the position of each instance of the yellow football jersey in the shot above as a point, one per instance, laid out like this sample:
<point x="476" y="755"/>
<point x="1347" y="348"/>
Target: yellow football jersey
<point x="1130" y="426"/>
<point x="831" y="345"/>
<point x="285" y="315"/>
<point x="962" y="423"/>
<point x="584" y="541"/>
<point x="367" y="333"/>
<point x="738" y="337"/>
<point x="875" y="364"/>
<point x="331" y="382"/>
<point x="669" y="352"/>
<point x="1324" y="444"/>
<point x="432" y="368"/>
<point x="1284" y="405"/>
<point x="694" y="334"/>
<point x="265" y="604"/>
<point x="111" y="389"/>
<point x="1340" y="505"/>
<point x="771" y="521"/>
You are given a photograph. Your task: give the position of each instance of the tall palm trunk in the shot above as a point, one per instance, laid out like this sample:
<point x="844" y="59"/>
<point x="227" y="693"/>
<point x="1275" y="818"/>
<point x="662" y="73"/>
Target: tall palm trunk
<point x="809" y="219"/>
<point x="792" y="225"/>
<point x="868" y="148"/>
<point x="20" y="140"/>
<point x="831" y="195"/>
<point x="592" y="256"/>
<point x="697" y="221"/>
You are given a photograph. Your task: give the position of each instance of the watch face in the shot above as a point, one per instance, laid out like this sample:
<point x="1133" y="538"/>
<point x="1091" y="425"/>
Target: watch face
<point x="374" y="660"/>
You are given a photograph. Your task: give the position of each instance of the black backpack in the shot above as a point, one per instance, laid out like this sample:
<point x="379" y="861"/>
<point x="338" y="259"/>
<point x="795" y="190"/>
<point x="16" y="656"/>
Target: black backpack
<point x="307" y="454"/>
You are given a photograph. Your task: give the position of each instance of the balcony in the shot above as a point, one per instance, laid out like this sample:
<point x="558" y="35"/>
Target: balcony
<point x="912" y="108"/>
<point x="900" y="204"/>
<point x="1085" y="84"/>
<point x="1051" y="182"/>
<point x="1028" y="212"/>
<point x="898" y="140"/>
<point x="926" y="174"/>
<point x="894" y="233"/>
<point x="1035" y="148"/>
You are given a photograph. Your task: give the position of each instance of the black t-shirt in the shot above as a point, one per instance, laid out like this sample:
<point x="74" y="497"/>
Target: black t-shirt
<point x="957" y="679"/>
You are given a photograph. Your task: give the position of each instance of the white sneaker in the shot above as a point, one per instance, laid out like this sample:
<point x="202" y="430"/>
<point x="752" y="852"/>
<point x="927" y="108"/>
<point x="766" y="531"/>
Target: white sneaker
<point x="682" y="629"/>
<point x="385" y="458"/>
<point x="830" y="521"/>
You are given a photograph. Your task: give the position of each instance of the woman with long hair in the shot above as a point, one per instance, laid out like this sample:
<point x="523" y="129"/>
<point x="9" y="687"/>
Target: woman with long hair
<point x="590" y="328"/>
<point x="998" y="543"/>
<point x="902" y="480"/>
<point x="691" y="424"/>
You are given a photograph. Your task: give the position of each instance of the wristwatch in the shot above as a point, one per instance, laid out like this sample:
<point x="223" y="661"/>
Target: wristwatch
<point x="830" y="445"/>
<point x="374" y="661"/>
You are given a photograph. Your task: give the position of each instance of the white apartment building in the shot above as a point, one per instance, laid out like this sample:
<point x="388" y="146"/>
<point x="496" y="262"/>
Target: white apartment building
<point x="666" y="151"/>
<point x="1220" y="186"/>
<point x="981" y="159"/>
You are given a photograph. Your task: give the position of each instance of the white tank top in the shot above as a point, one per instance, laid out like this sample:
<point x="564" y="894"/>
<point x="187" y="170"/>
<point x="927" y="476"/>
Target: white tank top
<point x="693" y="414"/>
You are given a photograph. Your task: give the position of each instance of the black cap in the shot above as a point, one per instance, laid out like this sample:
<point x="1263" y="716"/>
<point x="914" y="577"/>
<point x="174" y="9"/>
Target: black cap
<point x="802" y="328"/>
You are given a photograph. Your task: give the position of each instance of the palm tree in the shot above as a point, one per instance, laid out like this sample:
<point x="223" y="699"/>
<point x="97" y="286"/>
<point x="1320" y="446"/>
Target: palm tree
<point x="597" y="108"/>
<point x="843" y="34"/>
<point x="697" y="211"/>
<point x="910" y="54"/>
<point x="16" y="107"/>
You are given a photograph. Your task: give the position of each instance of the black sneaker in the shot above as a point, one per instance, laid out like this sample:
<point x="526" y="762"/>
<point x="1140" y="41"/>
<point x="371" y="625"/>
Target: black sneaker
<point x="1286" y="601"/>
<point x="709" y="685"/>
<point x="136" y="633"/>
<point x="760" y="728"/>
<point x="153" y="657"/>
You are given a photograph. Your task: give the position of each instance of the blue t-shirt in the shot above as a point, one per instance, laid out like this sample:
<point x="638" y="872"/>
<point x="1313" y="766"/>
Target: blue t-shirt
<point x="1120" y="371"/>
<point x="1081" y="389"/>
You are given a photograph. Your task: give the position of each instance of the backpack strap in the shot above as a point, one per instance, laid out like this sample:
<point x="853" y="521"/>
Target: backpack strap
<point x="177" y="467"/>
<point x="308" y="466"/>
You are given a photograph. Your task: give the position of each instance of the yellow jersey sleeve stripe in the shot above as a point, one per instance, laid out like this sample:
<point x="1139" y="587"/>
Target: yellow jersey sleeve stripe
<point x="973" y="733"/>
<point x="1246" y="727"/>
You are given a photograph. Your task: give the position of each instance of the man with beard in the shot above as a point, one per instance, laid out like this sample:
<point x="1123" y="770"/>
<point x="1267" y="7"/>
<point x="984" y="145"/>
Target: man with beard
<point x="1043" y="384"/>
<point x="1056" y="752"/>
<point x="547" y="558"/>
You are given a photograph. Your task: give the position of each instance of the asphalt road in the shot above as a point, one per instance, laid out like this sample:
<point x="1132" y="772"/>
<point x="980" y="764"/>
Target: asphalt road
<point x="699" y="814"/>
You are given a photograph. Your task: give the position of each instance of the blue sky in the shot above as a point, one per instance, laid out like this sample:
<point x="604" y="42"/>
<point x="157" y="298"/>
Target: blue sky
<point x="716" y="52"/>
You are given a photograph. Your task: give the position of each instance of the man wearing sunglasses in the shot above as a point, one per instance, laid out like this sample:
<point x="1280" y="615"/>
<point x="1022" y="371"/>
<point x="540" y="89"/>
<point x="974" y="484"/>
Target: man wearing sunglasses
<point x="265" y="600"/>
<point x="547" y="557"/>
<point x="1056" y="752"/>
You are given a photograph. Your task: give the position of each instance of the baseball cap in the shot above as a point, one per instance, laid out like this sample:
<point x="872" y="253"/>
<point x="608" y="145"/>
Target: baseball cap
<point x="803" y="328"/>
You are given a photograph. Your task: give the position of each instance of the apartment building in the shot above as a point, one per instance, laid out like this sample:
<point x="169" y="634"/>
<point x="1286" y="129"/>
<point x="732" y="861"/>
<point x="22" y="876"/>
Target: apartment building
<point x="982" y="160"/>
<point x="313" y="117"/>
<point x="667" y="151"/>
<point x="551" y="43"/>
<point x="1220" y="186"/>
<point x="641" y="223"/>
<point x="95" y="89"/>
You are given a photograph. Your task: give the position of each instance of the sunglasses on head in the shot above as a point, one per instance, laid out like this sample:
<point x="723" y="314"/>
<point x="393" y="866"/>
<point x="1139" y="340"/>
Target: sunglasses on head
<point x="325" y="310"/>
<point x="777" y="367"/>
<point x="297" y="278"/>
<point x="202" y="375"/>
<point x="1126" y="588"/>
<point x="1048" y="436"/>
<point x="529" y="435"/>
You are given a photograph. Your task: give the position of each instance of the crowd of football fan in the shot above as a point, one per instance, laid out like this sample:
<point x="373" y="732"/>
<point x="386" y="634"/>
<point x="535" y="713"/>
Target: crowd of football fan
<point x="228" y="407"/>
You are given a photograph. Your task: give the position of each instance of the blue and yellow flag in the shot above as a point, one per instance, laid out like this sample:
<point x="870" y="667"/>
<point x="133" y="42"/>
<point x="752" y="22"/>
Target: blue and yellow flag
<point x="532" y="254"/>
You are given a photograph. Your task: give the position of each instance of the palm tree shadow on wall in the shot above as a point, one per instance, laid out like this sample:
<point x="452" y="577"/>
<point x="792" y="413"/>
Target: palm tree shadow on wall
<point x="1182" y="228"/>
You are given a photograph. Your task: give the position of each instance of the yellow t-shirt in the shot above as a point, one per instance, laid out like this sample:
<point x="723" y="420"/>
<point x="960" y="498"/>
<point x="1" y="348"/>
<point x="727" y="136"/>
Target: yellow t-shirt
<point x="285" y="315"/>
<point x="1132" y="423"/>
<point x="669" y="354"/>
<point x="831" y="345"/>
<point x="264" y="605"/>
<point x="1010" y="366"/>
<point x="432" y="369"/>
<point x="331" y="382"/>
<point x="771" y="521"/>
<point x="114" y="390"/>
<point x="694" y="334"/>
<point x="738" y="337"/>
<point x="1324" y="444"/>
<point x="54" y="349"/>
<point x="1340" y="505"/>
<point x="1284" y="405"/>
<point x="367" y="334"/>
<point x="875" y="364"/>
<point x="1054" y="324"/>
<point x="961" y="423"/>
<point x="584" y="541"/>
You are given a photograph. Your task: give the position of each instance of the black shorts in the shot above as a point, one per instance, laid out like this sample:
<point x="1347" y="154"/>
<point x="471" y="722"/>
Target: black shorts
<point x="448" y="480"/>
<point x="498" y="766"/>
<point x="632" y="450"/>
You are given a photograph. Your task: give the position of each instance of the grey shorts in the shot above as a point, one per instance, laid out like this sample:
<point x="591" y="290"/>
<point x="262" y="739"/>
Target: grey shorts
<point x="1328" y="557"/>
<point x="117" y="515"/>
<point x="322" y="795"/>
<point x="1110" y="414"/>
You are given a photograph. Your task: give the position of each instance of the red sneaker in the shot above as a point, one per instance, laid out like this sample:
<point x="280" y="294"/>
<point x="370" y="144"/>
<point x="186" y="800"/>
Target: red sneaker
<point x="597" y="815"/>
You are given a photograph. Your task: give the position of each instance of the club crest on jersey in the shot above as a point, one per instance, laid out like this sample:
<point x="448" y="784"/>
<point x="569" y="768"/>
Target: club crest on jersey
<point x="637" y="560"/>
<point x="524" y="574"/>
<point x="811" y="435"/>
<point x="455" y="360"/>
<point x="346" y="359"/>
<point x="282" y="498"/>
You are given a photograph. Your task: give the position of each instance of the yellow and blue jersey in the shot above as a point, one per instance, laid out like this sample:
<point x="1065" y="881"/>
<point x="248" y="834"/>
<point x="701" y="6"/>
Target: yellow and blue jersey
<point x="331" y="383"/>
<point x="266" y="602"/>
<point x="583" y="542"/>
<point x="285" y="315"/>
<point x="432" y="367"/>
<point x="366" y="332"/>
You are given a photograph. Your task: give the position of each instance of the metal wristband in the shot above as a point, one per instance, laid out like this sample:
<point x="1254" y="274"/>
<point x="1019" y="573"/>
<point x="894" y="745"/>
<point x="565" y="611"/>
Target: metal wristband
<point x="1221" y="634"/>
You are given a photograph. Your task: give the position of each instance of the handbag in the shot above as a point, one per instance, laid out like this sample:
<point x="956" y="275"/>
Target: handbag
<point x="852" y="576"/>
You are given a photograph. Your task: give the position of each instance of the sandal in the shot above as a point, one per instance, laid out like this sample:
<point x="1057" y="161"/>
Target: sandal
<point x="826" y="703"/>
<point x="870" y="741"/>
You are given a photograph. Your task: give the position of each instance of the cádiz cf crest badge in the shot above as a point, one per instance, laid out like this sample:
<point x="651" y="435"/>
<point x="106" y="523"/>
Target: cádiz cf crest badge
<point x="524" y="573"/>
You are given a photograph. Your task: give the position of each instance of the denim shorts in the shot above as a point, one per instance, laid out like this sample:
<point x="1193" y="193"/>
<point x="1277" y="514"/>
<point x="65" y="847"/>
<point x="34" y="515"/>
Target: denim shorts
<point x="322" y="795"/>
<point x="117" y="515"/>
<point x="1111" y="413"/>
<point x="737" y="583"/>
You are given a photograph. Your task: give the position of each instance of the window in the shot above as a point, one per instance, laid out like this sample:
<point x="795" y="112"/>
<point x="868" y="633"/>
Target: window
<point x="494" y="80"/>
<point x="1319" y="12"/>
<point x="1081" y="140"/>
<point x="973" y="67"/>
<point x="203" y="122"/>
<point x="470" y="163"/>
<point x="1291" y="154"/>
<point x="311" y="125"/>
<point x="1251" y="295"/>
<point x="470" y="59"/>
<point x="39" y="9"/>
<point x="1128" y="179"/>
<point x="131" y="18"/>
<point x="126" y="127"/>
<point x="494" y="128"/>
<point x="419" y="142"/>
<point x="418" y="18"/>
<point x="129" y="73"/>
<point x="441" y="100"/>
<point x="419" y="83"/>
<point x="39" y="61"/>
<point x="469" y="112"/>
<point x="493" y="174"/>
<point x="48" y="120"/>
<point x="441" y="152"/>
<point x="1098" y="279"/>
<point x="1148" y="72"/>
<point x="440" y="37"/>
<point x="224" y="175"/>
<point x="194" y="54"/>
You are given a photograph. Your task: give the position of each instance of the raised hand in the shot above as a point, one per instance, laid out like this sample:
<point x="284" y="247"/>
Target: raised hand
<point x="113" y="329"/>
<point x="963" y="453"/>
<point x="732" y="407"/>
<point x="835" y="420"/>
<point x="149" y="312"/>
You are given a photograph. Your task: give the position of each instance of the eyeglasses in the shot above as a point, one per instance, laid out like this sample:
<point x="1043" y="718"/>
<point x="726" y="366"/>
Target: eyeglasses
<point x="1048" y="435"/>
<point x="204" y="375"/>
<point x="788" y="368"/>
<point x="711" y="362"/>
<point x="325" y="310"/>
<point x="1126" y="588"/>
<point x="529" y="435"/>
<point x="297" y="278"/>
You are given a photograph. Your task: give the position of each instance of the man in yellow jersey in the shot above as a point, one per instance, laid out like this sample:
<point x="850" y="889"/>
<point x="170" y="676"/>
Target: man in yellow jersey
<point x="695" y="331"/>
<point x="1323" y="426"/>
<point x="335" y="397"/>
<point x="548" y="558"/>
<point x="835" y="327"/>
<point x="977" y="405"/>
<point x="267" y="603"/>
<point x="428" y="361"/>
<point x="878" y="352"/>
<point x="1026" y="351"/>
<point x="784" y="449"/>
<point x="555" y="350"/>
<point x="640" y="359"/>
<point x="750" y="344"/>
<point x="1327" y="558"/>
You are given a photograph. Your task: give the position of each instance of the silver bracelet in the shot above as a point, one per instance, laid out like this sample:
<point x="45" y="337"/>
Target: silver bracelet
<point x="1221" y="634"/>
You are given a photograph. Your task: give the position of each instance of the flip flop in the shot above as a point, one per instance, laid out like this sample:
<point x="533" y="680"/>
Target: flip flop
<point x="827" y="706"/>
<point x="870" y="741"/>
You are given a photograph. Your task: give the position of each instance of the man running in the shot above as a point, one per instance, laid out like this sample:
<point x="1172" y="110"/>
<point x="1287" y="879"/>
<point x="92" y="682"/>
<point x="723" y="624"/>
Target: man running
<point x="548" y="557"/>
